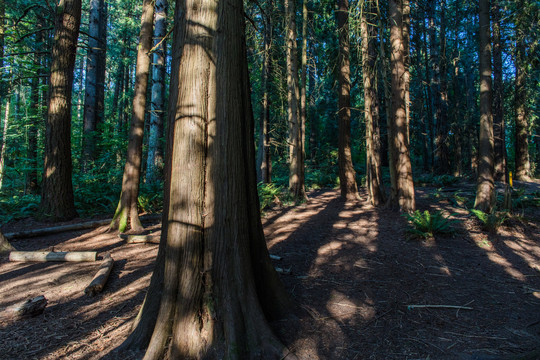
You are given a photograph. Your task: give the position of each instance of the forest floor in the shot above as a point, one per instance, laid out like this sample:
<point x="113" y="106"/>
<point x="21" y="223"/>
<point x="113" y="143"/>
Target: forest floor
<point x="354" y="277"/>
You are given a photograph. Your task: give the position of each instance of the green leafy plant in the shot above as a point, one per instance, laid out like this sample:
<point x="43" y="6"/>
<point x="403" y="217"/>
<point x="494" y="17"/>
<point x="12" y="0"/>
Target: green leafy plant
<point x="490" y="221"/>
<point x="267" y="194"/>
<point x="426" y="225"/>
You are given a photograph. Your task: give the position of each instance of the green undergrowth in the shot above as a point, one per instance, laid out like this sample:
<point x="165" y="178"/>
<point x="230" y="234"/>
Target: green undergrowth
<point x="425" y="225"/>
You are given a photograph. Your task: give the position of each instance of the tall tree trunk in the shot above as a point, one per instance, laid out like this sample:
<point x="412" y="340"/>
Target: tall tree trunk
<point x="303" y="89"/>
<point x="95" y="82"/>
<point x="154" y="163"/>
<point x="128" y="204"/>
<point x="371" y="106"/>
<point x="34" y="109"/>
<point x="485" y="194"/>
<point x="2" y="43"/>
<point x="214" y="284"/>
<point x="523" y="167"/>
<point x="443" y="161"/>
<point x="57" y="201"/>
<point x="399" y="144"/>
<point x="498" y="98"/>
<point x="347" y="174"/>
<point x="296" y="165"/>
<point x="430" y="119"/>
<point x="264" y="165"/>
<point x="3" y="144"/>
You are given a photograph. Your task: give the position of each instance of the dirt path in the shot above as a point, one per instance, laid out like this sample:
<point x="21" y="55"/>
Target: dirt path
<point x="353" y="275"/>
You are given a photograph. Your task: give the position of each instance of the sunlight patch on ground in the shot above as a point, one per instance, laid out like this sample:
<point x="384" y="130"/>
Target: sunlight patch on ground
<point x="341" y="307"/>
<point x="505" y="264"/>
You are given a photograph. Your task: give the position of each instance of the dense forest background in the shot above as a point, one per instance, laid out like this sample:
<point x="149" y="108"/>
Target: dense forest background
<point x="443" y="111"/>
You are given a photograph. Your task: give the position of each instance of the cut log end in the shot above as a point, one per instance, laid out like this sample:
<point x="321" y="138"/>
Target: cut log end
<point x="100" y="279"/>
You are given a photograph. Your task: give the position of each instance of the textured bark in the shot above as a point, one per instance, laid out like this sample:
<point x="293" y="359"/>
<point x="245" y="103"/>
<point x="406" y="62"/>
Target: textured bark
<point x="498" y="98"/>
<point x="428" y="98"/>
<point x="347" y="174"/>
<point x="264" y="162"/>
<point x="2" y="43"/>
<point x="403" y="195"/>
<point x="57" y="191"/>
<point x="154" y="163"/>
<point x="296" y="164"/>
<point x="375" y="187"/>
<point x="485" y="194"/>
<point x="214" y="284"/>
<point x="128" y="205"/>
<point x="95" y="81"/>
<point x="523" y="167"/>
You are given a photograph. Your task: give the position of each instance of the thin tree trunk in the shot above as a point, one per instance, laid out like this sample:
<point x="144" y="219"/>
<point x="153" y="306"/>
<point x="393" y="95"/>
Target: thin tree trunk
<point x="128" y="204"/>
<point x="523" y="166"/>
<point x="154" y="163"/>
<point x="214" y="284"/>
<point x="264" y="165"/>
<point x="347" y="174"/>
<point x="57" y="201"/>
<point x="296" y="180"/>
<point x="3" y="144"/>
<point x="399" y="144"/>
<point x="498" y="96"/>
<point x="443" y="163"/>
<point x="95" y="82"/>
<point x="485" y="194"/>
<point x="375" y="185"/>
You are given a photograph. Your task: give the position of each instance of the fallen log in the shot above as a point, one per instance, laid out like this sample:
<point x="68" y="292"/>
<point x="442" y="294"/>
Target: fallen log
<point x="70" y="227"/>
<point x="30" y="307"/>
<point x="140" y="239"/>
<point x="100" y="279"/>
<point x="72" y="256"/>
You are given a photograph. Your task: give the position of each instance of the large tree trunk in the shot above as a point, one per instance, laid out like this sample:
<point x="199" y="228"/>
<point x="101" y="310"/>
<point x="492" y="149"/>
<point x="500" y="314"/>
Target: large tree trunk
<point x="347" y="174"/>
<point x="485" y="194"/>
<point x="371" y="106"/>
<point x="399" y="144"/>
<point x="128" y="205"/>
<point x="264" y="164"/>
<point x="154" y="163"/>
<point x="523" y="167"/>
<point x="214" y="284"/>
<point x="95" y="81"/>
<point x="57" y="201"/>
<point x="498" y="96"/>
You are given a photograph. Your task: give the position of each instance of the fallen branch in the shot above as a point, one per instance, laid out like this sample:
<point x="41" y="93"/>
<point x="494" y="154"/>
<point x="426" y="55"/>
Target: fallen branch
<point x="100" y="279"/>
<point x="140" y="239"/>
<point x="410" y="307"/>
<point x="73" y="256"/>
<point x="70" y="227"/>
<point x="30" y="307"/>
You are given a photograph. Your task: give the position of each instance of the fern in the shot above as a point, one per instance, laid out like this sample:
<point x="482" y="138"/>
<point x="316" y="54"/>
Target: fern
<point x="426" y="225"/>
<point x="490" y="221"/>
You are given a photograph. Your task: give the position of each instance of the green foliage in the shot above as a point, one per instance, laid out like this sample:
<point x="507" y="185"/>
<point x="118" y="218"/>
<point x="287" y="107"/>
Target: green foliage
<point x="490" y="221"/>
<point x="523" y="200"/>
<point x="151" y="198"/>
<point x="435" y="180"/>
<point x="267" y="194"/>
<point x="426" y="225"/>
<point x="17" y="207"/>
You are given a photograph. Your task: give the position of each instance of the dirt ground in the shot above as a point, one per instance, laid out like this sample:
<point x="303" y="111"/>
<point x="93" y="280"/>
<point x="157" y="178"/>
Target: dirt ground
<point x="354" y="276"/>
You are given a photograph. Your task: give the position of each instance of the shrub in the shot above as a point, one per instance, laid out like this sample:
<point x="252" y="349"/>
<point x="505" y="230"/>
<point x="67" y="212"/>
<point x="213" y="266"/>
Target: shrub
<point x="267" y="194"/>
<point x="426" y="225"/>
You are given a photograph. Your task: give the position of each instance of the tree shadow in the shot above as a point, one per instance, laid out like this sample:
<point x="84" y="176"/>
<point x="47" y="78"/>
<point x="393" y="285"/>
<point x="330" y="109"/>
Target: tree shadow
<point x="355" y="275"/>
